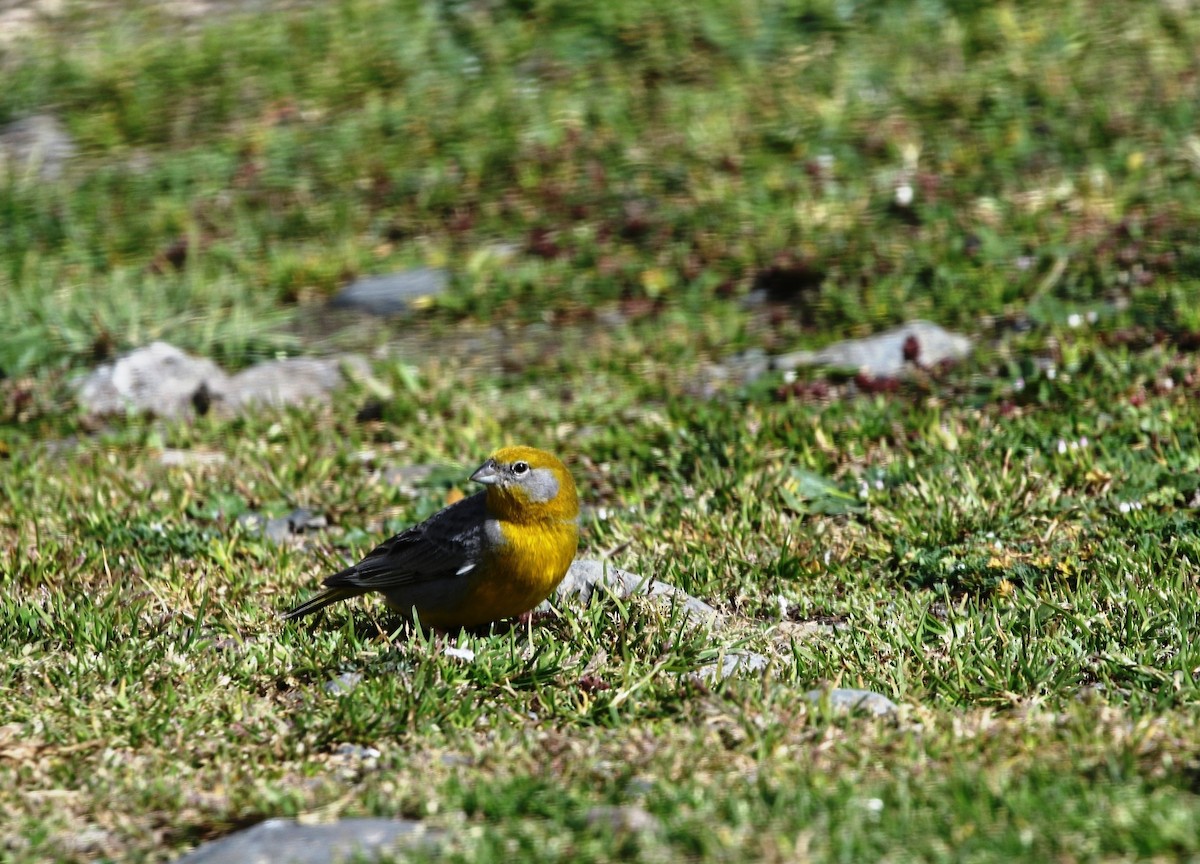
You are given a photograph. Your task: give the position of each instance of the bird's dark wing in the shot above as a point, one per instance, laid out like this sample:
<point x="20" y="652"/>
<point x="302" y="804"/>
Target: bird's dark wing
<point x="447" y="543"/>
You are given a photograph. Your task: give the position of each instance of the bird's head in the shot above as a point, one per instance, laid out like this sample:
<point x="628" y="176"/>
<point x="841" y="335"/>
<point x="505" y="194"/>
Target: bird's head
<point x="525" y="484"/>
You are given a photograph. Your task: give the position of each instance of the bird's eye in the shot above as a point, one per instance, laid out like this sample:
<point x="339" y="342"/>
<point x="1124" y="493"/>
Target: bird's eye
<point x="520" y="468"/>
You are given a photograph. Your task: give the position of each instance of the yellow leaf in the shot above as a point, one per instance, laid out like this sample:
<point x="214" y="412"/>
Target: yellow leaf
<point x="655" y="281"/>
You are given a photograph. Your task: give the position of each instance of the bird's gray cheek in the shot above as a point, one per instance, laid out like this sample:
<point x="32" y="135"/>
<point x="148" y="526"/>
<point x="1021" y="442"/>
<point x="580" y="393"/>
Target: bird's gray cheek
<point x="542" y="486"/>
<point x="491" y="529"/>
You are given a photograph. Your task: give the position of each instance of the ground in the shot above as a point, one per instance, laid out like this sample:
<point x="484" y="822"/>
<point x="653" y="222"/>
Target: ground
<point x="634" y="201"/>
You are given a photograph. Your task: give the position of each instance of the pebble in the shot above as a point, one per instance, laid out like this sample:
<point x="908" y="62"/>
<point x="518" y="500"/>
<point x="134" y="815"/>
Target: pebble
<point x="393" y="293"/>
<point x="286" y="841"/>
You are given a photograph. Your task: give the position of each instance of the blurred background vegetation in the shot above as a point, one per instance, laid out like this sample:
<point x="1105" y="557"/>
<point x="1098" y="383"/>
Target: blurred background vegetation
<point x="862" y="162"/>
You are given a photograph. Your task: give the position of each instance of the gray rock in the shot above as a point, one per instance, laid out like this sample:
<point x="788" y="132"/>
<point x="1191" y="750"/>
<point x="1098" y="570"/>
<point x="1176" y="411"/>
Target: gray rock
<point x="289" y="382"/>
<point x="393" y="293"/>
<point x="285" y="841"/>
<point x="351" y="752"/>
<point x="747" y="366"/>
<point x="883" y="355"/>
<point x="731" y="664"/>
<point x="624" y="819"/>
<point x="735" y="370"/>
<point x="283" y="529"/>
<point x="162" y="380"/>
<point x="17" y="25"/>
<point x="299" y="521"/>
<point x="91" y="842"/>
<point x="847" y="699"/>
<point x="175" y="458"/>
<point x="159" y="379"/>
<point x="587" y="575"/>
<point x="343" y="684"/>
<point x="35" y="147"/>
<point x="501" y="252"/>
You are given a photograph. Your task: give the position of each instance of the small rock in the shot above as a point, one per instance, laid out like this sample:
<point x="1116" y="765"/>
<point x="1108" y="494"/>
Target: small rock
<point x="17" y="25"/>
<point x="173" y="458"/>
<point x="158" y="379"/>
<point x="299" y="521"/>
<point x="90" y="842"/>
<point x="356" y="752"/>
<point x="731" y="664"/>
<point x="847" y="699"/>
<point x="35" y="147"/>
<point x="285" y="841"/>
<point x="283" y="529"/>
<point x="393" y="293"/>
<point x="499" y="253"/>
<point x="252" y="523"/>
<point x="641" y="784"/>
<point x="587" y="575"/>
<point x="162" y="380"/>
<point x="624" y="819"/>
<point x="888" y="354"/>
<point x="747" y="366"/>
<point x="343" y="684"/>
<point x="290" y="381"/>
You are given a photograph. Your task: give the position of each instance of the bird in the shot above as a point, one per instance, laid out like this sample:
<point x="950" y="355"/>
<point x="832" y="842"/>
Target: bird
<point x="494" y="555"/>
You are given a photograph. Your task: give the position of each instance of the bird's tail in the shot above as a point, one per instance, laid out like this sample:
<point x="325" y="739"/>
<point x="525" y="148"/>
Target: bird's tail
<point x="320" y="601"/>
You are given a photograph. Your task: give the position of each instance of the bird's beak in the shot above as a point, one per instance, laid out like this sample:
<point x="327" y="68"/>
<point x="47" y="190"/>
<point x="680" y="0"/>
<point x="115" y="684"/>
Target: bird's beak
<point x="487" y="474"/>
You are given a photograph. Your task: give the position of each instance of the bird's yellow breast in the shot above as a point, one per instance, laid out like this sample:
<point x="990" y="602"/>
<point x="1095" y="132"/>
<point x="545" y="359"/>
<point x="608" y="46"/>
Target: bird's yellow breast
<point x="514" y="575"/>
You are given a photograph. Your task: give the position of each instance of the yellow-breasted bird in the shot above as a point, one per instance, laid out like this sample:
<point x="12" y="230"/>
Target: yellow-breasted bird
<point x="488" y="557"/>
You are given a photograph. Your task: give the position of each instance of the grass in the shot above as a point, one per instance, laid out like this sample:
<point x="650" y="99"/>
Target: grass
<point x="628" y="197"/>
